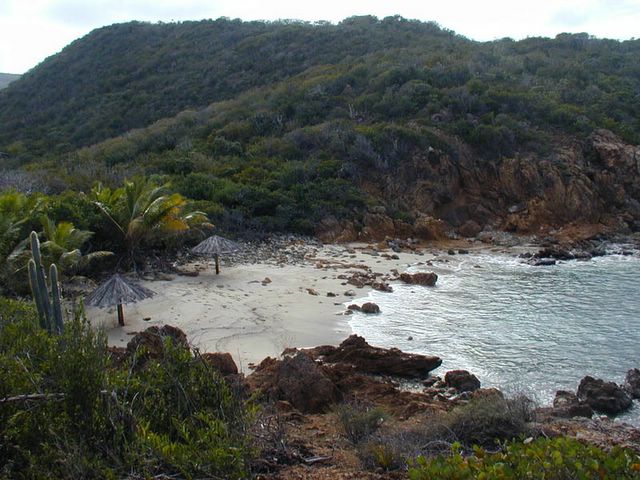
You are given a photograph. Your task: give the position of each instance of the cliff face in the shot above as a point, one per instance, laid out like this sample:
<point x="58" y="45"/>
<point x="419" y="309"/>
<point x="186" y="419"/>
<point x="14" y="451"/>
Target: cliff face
<point x="593" y="182"/>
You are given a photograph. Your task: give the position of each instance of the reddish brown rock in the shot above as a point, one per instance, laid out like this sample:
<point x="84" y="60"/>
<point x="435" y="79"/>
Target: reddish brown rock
<point x="357" y="352"/>
<point x="222" y="362"/>
<point x="469" y="229"/>
<point x="422" y="278"/>
<point x="461" y="380"/>
<point x="377" y="226"/>
<point x="605" y="397"/>
<point x="300" y="381"/>
<point x="429" y="228"/>
<point x="632" y="383"/>
<point x="152" y="340"/>
<point x="370" y="308"/>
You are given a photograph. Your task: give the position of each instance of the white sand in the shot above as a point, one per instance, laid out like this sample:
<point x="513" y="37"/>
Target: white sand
<point x="234" y="312"/>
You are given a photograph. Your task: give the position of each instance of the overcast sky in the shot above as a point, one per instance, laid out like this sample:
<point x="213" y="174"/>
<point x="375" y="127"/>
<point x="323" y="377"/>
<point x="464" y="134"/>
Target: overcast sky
<point x="31" y="30"/>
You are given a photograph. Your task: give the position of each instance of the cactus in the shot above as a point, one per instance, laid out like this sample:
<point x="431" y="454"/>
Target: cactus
<point x="48" y="304"/>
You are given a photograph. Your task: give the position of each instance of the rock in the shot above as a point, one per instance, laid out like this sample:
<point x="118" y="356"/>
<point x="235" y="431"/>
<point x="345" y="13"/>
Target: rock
<point x="429" y="228"/>
<point x="451" y="251"/>
<point x="567" y="405"/>
<point x="463" y="251"/>
<point x="382" y="287"/>
<point x="349" y="293"/>
<point x="152" y="340"/>
<point x="605" y="397"/>
<point x="311" y="291"/>
<point x="421" y="278"/>
<point x="354" y="307"/>
<point x="546" y="262"/>
<point x="299" y="381"/>
<point x="461" y="380"/>
<point x="331" y="294"/>
<point x="370" y="308"/>
<point x="377" y="226"/>
<point x="357" y="352"/>
<point x="632" y="383"/>
<point x="469" y="229"/>
<point x="222" y="362"/>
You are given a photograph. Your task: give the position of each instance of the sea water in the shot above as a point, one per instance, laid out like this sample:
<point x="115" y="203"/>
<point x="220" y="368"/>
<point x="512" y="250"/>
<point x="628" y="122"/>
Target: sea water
<point x="523" y="329"/>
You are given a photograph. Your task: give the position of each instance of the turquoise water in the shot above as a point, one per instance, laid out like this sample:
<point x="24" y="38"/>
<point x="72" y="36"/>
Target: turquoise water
<point x="524" y="329"/>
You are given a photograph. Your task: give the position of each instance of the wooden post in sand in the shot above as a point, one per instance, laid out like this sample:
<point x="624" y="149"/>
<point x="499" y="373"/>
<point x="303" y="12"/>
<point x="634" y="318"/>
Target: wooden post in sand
<point x="120" y="315"/>
<point x="217" y="259"/>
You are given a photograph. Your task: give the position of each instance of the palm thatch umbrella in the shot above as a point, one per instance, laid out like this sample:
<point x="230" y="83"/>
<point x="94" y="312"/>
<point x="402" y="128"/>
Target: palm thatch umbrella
<point x="215" y="245"/>
<point x="117" y="291"/>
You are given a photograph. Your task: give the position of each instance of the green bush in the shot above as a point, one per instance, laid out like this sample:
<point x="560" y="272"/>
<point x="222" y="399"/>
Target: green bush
<point x="72" y="413"/>
<point x="359" y="420"/>
<point x="557" y="459"/>
<point x="485" y="420"/>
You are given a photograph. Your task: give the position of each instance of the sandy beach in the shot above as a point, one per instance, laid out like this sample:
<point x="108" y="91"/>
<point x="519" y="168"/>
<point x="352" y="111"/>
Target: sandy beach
<point x="257" y="310"/>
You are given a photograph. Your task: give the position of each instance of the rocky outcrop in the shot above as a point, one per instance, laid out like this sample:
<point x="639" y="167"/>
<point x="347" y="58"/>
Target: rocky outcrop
<point x="296" y="379"/>
<point x="632" y="383"/>
<point x="370" y="308"/>
<point x="355" y="351"/>
<point x="223" y="363"/>
<point x="428" y="279"/>
<point x="461" y="380"/>
<point x="152" y="341"/>
<point x="593" y="180"/>
<point x="605" y="397"/>
<point x="567" y="405"/>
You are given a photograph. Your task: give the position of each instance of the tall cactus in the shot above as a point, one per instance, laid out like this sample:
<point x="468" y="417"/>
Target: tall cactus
<point x="48" y="304"/>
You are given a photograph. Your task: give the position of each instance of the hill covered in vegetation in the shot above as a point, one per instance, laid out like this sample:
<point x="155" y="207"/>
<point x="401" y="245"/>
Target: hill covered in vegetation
<point x="7" y="78"/>
<point x="287" y="125"/>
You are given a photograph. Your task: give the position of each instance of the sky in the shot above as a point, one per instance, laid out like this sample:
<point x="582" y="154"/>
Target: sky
<point x="31" y="30"/>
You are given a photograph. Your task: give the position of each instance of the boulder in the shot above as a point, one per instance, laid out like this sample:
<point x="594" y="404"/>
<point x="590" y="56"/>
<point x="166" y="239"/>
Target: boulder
<point x="370" y="307"/>
<point x="469" y="229"/>
<point x="377" y="226"/>
<point x="364" y="358"/>
<point x="300" y="381"/>
<point x="567" y="405"/>
<point x="422" y="278"/>
<point x="222" y="362"/>
<point x="461" y="380"/>
<point x="152" y="339"/>
<point x="605" y="397"/>
<point x="429" y="228"/>
<point x="632" y="383"/>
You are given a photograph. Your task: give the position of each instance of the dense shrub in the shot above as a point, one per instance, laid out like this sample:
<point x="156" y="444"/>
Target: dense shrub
<point x="67" y="412"/>
<point x="556" y="459"/>
<point x="359" y="420"/>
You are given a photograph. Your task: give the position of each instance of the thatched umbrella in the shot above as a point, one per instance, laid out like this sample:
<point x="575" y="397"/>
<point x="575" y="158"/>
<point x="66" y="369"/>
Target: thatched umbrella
<point x="117" y="291"/>
<point x="215" y="246"/>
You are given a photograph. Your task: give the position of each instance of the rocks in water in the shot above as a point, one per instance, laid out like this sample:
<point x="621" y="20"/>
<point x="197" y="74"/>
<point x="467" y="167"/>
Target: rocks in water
<point x="382" y="287"/>
<point x="367" y="359"/>
<point x="461" y="380"/>
<point x="370" y="308"/>
<point x="349" y="293"/>
<point x="605" y="397"/>
<point x="422" y="278"/>
<point x="222" y="362"/>
<point x="632" y="383"/>
<point x="544" y="262"/>
<point x="567" y="405"/>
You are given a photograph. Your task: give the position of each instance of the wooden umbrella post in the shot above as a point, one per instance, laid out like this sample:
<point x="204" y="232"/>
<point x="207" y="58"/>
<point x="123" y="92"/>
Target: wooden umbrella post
<point x="217" y="259"/>
<point x="120" y="315"/>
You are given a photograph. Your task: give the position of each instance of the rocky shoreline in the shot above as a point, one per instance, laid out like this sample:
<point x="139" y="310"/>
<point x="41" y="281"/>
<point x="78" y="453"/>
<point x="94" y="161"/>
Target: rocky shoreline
<point x="303" y="387"/>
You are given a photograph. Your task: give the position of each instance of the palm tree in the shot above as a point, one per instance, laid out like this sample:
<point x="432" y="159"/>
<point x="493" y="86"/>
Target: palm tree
<point x="17" y="211"/>
<point x="141" y="210"/>
<point x="63" y="243"/>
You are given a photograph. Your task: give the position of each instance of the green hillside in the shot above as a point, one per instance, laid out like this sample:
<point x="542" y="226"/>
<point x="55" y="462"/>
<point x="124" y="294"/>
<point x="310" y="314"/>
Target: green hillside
<point x="7" y="78"/>
<point x="277" y="126"/>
